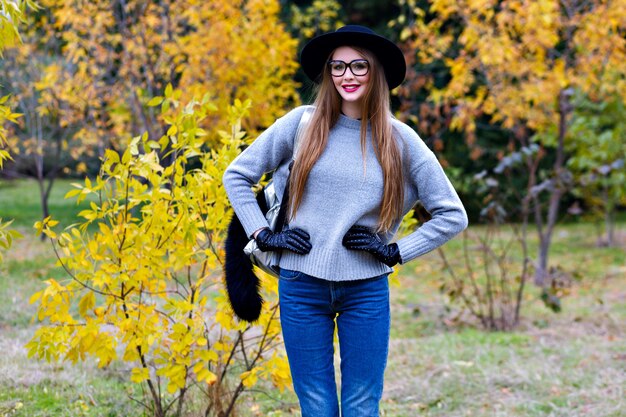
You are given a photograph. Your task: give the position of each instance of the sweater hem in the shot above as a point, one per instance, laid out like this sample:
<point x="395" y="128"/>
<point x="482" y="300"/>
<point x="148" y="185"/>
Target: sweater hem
<point x="335" y="265"/>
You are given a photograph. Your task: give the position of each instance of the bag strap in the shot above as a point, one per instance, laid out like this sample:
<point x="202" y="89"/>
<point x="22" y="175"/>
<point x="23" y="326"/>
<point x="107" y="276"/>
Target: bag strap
<point x="304" y="121"/>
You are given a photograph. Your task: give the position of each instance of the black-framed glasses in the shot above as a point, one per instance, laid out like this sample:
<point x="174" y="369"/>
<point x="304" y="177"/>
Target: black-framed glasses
<point x="359" y="67"/>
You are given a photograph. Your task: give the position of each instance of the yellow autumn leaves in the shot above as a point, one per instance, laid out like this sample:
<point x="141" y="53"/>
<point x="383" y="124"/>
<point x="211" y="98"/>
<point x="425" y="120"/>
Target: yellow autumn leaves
<point x="510" y="60"/>
<point x="144" y="264"/>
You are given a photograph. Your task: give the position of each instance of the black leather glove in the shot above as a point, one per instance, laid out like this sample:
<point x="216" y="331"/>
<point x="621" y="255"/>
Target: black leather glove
<point x="360" y="238"/>
<point x="295" y="240"/>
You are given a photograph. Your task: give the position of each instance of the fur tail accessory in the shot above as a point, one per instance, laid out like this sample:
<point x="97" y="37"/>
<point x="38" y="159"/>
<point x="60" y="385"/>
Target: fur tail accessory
<point x="242" y="284"/>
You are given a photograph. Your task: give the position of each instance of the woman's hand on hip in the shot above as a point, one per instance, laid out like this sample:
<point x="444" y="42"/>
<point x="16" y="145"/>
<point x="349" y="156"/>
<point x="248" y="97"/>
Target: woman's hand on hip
<point x="360" y="238"/>
<point x="295" y="240"/>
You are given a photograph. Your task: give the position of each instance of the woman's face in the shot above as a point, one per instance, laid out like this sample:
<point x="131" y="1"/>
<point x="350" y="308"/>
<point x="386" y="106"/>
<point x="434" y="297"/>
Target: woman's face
<point x="351" y="87"/>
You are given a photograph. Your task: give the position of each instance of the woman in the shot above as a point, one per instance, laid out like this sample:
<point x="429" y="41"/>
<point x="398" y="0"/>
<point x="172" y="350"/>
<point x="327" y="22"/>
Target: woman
<point x="356" y="173"/>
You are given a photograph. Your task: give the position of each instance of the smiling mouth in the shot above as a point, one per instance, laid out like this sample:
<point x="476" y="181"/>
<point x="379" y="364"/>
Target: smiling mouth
<point x="350" y="88"/>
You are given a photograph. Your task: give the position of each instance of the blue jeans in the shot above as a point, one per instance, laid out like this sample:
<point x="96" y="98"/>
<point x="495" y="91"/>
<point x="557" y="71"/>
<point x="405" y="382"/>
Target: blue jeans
<point x="309" y="308"/>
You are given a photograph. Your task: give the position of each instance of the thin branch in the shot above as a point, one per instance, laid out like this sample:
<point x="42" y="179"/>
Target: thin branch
<point x="74" y="276"/>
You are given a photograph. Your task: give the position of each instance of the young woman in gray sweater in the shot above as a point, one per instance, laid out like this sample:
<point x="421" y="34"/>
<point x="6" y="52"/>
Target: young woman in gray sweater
<point x="357" y="172"/>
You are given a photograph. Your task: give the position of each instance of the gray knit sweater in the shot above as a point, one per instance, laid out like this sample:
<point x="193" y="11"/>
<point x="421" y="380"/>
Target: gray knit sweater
<point x="340" y="193"/>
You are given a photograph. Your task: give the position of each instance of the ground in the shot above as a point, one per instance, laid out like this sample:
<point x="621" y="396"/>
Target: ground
<point x="566" y="364"/>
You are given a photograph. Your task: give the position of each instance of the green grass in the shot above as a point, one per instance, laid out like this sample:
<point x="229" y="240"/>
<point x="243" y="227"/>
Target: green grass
<point x="28" y="264"/>
<point x="570" y="364"/>
<point x="533" y="373"/>
<point x="30" y="261"/>
<point x="20" y="201"/>
<point x="101" y="397"/>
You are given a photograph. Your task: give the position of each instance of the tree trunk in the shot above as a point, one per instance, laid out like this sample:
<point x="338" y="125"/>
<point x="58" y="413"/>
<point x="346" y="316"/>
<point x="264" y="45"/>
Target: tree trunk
<point x="608" y="218"/>
<point x="45" y="211"/>
<point x="556" y="192"/>
<point x="43" y="197"/>
<point x="541" y="271"/>
<point x="610" y="227"/>
<point x="39" y="168"/>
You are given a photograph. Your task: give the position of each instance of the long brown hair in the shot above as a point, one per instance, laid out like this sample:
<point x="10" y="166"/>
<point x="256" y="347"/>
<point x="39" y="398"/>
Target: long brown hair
<point x="375" y="110"/>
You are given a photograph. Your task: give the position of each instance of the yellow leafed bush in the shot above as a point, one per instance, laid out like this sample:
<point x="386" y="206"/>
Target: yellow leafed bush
<point x="144" y="271"/>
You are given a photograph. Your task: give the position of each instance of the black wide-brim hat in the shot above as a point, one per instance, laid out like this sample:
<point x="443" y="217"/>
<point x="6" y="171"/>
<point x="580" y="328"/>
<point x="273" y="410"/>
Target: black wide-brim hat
<point x="315" y="53"/>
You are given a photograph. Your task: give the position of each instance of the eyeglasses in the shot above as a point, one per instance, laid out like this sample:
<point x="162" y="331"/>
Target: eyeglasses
<point x="358" y="67"/>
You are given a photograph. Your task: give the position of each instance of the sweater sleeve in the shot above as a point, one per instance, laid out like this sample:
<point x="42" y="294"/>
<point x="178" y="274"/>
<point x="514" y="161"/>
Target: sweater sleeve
<point x="438" y="197"/>
<point x="272" y="148"/>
